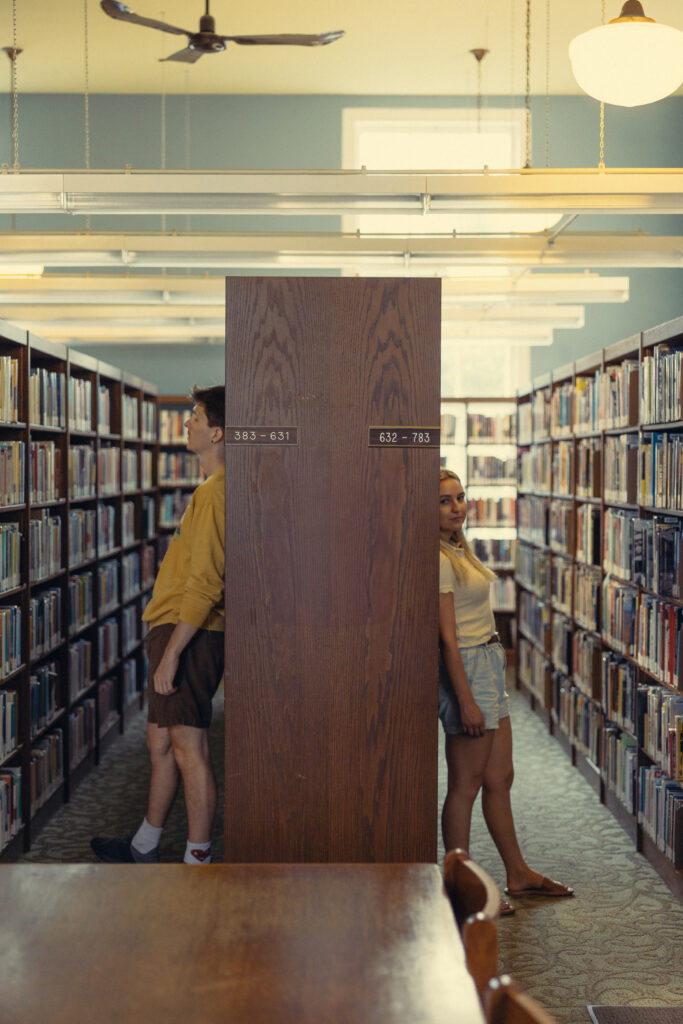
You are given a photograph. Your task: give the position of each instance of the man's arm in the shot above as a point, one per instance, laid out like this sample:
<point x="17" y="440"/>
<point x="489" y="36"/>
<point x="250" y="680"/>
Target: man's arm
<point x="168" y="666"/>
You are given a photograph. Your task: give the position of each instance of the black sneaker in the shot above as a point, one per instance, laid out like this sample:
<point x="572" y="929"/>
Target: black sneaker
<point x="121" y="851"/>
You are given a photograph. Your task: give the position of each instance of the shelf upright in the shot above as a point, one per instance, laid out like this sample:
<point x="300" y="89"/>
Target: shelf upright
<point x="117" y="468"/>
<point x="46" y="544"/>
<point x="138" y="531"/>
<point x="14" y="665"/>
<point x="479" y="442"/>
<point x="82" y="428"/>
<point x="534" y="484"/>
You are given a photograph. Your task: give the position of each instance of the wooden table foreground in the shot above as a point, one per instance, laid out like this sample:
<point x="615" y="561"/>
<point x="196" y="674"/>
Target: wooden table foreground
<point x="231" y="942"/>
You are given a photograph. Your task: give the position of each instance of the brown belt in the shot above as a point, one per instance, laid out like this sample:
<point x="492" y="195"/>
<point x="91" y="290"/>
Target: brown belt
<point x="495" y="639"/>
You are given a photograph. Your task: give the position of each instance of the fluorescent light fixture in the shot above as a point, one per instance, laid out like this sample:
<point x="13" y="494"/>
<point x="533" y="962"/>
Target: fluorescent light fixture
<point x="25" y="270"/>
<point x="629" y="62"/>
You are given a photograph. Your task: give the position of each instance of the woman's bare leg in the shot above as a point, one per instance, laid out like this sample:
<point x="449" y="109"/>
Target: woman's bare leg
<point x="466" y="757"/>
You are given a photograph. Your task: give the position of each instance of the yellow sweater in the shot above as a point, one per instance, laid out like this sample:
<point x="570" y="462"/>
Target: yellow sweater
<point x="189" y="584"/>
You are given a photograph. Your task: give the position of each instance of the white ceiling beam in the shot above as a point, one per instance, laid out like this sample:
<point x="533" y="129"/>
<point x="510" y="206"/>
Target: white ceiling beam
<point x="583" y="190"/>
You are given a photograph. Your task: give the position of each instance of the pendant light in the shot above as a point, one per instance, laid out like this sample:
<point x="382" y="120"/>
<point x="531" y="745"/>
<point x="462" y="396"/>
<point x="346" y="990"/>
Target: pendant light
<point x="630" y="61"/>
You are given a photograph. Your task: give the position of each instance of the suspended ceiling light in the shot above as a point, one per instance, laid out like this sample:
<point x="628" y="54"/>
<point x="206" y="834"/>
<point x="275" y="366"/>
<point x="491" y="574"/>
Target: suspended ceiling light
<point x="21" y="270"/>
<point x="630" y="61"/>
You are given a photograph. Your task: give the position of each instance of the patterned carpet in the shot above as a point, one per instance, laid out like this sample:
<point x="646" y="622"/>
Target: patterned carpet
<point x="618" y="942"/>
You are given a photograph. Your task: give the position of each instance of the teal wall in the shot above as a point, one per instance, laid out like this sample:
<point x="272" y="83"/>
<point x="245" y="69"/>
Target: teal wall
<point x="296" y="132"/>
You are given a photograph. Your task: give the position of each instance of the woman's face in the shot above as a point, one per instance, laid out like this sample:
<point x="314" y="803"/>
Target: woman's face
<point x="452" y="506"/>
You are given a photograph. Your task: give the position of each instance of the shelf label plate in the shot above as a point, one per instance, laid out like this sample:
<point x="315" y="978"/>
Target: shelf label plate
<point x="404" y="437"/>
<point x="261" y="435"/>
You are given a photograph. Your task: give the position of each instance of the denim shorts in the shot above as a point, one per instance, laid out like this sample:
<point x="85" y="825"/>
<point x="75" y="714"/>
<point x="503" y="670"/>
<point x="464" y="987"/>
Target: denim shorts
<point x="485" y="671"/>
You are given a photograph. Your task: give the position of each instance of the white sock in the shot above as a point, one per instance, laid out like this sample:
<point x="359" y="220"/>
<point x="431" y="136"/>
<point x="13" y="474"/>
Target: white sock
<point x="197" y="853"/>
<point x="147" y="837"/>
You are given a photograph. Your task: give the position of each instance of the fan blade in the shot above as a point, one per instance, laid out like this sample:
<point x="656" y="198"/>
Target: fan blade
<point x="285" y="40"/>
<point x="122" y="13"/>
<point x="187" y="56"/>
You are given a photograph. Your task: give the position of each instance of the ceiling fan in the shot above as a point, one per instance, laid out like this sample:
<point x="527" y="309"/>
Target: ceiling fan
<point x="206" y="40"/>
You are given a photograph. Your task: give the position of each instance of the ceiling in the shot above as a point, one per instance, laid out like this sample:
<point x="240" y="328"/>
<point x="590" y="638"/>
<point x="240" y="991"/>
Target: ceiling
<point x="495" y="291"/>
<point x="390" y="46"/>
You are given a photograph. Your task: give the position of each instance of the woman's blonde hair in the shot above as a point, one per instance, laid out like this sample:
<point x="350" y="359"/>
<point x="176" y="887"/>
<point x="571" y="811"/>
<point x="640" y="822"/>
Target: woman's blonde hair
<point x="458" y="538"/>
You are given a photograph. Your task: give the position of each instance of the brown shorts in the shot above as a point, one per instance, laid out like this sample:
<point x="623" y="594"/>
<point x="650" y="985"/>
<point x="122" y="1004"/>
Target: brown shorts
<point x="199" y="675"/>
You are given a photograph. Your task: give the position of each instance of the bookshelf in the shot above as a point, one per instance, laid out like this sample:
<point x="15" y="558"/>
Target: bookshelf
<point x="178" y="470"/>
<point x="600" y="578"/>
<point x="77" y="534"/>
<point x="478" y="442"/>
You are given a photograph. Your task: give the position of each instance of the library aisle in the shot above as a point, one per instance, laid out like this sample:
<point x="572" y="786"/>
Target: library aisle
<point x="617" y="942"/>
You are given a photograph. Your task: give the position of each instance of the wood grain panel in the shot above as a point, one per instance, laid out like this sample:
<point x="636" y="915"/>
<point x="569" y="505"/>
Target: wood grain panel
<point x="331" y="572"/>
<point x="237" y="943"/>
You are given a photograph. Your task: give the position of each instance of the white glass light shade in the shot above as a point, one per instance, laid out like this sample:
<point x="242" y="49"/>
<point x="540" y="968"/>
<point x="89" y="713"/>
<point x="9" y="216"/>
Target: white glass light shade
<point x="628" y="63"/>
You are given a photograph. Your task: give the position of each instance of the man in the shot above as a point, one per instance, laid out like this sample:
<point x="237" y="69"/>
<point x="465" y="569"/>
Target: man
<point x="185" y="649"/>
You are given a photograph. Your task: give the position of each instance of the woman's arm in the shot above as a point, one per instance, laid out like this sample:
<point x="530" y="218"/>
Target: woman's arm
<point x="470" y="713"/>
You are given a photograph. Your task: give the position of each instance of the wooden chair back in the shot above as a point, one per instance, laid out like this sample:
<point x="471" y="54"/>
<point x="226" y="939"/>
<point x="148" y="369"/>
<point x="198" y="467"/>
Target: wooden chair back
<point x="470" y="889"/>
<point x="475" y="901"/>
<point x="505" y="1003"/>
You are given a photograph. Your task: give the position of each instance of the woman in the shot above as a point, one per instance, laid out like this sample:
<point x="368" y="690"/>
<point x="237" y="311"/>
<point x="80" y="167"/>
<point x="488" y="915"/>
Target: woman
<point x="473" y="704"/>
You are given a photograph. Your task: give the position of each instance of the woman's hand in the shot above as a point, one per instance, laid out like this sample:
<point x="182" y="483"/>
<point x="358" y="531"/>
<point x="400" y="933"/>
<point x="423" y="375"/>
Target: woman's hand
<point x="472" y="719"/>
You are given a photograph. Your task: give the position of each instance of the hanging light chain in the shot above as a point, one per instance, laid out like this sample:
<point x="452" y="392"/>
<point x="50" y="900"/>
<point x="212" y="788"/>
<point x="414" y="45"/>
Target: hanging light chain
<point x="86" y="86"/>
<point x="527" y="95"/>
<point x="15" y="93"/>
<point x="547" y="83"/>
<point x="601" y="163"/>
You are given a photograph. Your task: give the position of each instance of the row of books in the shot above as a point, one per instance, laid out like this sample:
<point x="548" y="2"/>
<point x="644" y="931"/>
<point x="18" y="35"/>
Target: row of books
<point x="661" y="470"/>
<point x="533" y="519"/>
<point x="45" y="536"/>
<point x="45" y="622"/>
<point x="172" y="426"/>
<point x="588" y="468"/>
<point x="47" y="397"/>
<point x="498" y="429"/>
<point x="587" y="589"/>
<point x="489" y="469"/>
<point x="46" y="768"/>
<point x="104" y="409"/>
<point x="130" y="426"/>
<point x="44" y="691"/>
<point x="10" y="805"/>
<point x="9" y="389"/>
<point x="108" y="644"/>
<point x="82" y="471"/>
<point x="532" y="569"/>
<point x="130" y="618"/>
<point x="107" y="704"/>
<point x="82" y="732"/>
<point x="534" y="618"/>
<point x="660" y="728"/>
<point x="107" y="586"/>
<point x="579" y="717"/>
<point x="12" y="468"/>
<point x="10" y="639"/>
<point x="620" y="765"/>
<point x="534" y="469"/>
<point x="80" y="404"/>
<point x="9" y="717"/>
<point x="81" y="604"/>
<point x="45" y="469"/>
<point x="660" y="812"/>
<point x="658" y="639"/>
<point x="561" y="576"/>
<point x="646" y="552"/>
<point x="129" y="680"/>
<point x="80" y="659"/>
<point x="109" y="461"/>
<point x="178" y="468"/>
<point x="503" y="595"/>
<point x="81" y="535"/>
<point x="10" y="556"/>
<point x="563" y="467"/>
<point x="171" y="508"/>
<point x="561" y="640"/>
<point x="660" y="385"/>
<point x="603" y="401"/>
<point x="619" y="688"/>
<point x="533" y="668"/>
<point x="586" y="653"/>
<point x="491" y="511"/>
<point x="588" y="535"/>
<point x="496" y="552"/>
